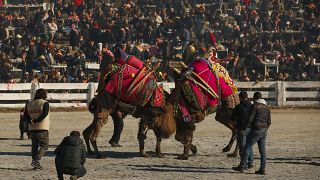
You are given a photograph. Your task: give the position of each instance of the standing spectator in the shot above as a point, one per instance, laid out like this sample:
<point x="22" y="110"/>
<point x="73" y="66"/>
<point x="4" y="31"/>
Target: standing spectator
<point x="185" y="38"/>
<point x="52" y="28"/>
<point x="74" y="37"/>
<point x="237" y="12"/>
<point x="240" y="116"/>
<point x="37" y="114"/>
<point x="117" y="118"/>
<point x="259" y="120"/>
<point x="71" y="156"/>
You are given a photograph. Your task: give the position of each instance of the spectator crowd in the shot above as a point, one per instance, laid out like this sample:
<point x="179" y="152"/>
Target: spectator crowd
<point x="56" y="41"/>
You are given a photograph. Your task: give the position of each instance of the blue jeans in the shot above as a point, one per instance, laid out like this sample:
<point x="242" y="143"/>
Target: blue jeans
<point x="255" y="136"/>
<point x="241" y="139"/>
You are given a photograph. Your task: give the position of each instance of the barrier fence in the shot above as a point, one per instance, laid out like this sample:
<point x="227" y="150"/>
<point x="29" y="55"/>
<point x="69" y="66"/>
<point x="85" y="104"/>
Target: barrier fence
<point x="276" y="93"/>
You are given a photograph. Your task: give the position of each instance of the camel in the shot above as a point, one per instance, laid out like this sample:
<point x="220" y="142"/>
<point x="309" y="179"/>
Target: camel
<point x="184" y="131"/>
<point x="224" y="94"/>
<point x="143" y="85"/>
<point x="160" y="120"/>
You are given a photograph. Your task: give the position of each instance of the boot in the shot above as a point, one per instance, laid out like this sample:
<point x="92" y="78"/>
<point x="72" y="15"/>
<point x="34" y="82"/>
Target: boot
<point x="36" y="165"/>
<point x="238" y="168"/>
<point x="114" y="144"/>
<point x="260" y="171"/>
<point x="33" y="163"/>
<point x="250" y="165"/>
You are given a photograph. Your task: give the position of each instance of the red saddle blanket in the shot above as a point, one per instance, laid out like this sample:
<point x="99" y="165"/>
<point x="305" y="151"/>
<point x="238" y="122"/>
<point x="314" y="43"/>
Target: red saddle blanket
<point x="198" y="99"/>
<point x="120" y="82"/>
<point x="203" y="70"/>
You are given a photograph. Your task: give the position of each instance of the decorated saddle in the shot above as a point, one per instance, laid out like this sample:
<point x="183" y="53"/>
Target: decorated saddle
<point x="202" y="89"/>
<point x="134" y="84"/>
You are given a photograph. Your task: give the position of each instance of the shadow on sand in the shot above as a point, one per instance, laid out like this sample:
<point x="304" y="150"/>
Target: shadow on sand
<point x="48" y="153"/>
<point x="313" y="161"/>
<point x="8" y="139"/>
<point x="176" y="168"/>
<point x="116" y="154"/>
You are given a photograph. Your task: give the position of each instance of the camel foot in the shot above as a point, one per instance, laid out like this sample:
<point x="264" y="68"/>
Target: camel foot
<point x="183" y="157"/>
<point x="233" y="155"/>
<point x="160" y="155"/>
<point x="226" y="149"/>
<point x="194" y="150"/>
<point x="143" y="154"/>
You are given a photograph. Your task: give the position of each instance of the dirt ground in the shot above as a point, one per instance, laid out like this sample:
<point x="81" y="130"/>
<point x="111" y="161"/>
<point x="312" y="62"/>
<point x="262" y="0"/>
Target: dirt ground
<point x="293" y="150"/>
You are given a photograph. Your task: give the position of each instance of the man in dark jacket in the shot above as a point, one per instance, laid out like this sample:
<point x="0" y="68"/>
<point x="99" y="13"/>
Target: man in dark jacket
<point x="240" y="116"/>
<point x="259" y="120"/>
<point x="71" y="156"/>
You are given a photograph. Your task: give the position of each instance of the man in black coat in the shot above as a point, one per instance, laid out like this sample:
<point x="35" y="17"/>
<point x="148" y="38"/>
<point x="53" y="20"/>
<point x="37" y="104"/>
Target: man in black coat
<point x="74" y="37"/>
<point x="71" y="156"/>
<point x="240" y="116"/>
<point x="259" y="120"/>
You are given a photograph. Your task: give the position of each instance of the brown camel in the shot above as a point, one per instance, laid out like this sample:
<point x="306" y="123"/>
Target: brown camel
<point x="159" y="119"/>
<point x="184" y="132"/>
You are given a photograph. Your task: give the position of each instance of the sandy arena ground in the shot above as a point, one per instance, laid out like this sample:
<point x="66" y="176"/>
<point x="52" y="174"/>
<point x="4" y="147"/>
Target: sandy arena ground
<point x="293" y="150"/>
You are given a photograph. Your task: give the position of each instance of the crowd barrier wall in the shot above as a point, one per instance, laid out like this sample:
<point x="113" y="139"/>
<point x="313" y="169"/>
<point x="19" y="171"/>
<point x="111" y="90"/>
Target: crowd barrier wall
<point x="277" y="93"/>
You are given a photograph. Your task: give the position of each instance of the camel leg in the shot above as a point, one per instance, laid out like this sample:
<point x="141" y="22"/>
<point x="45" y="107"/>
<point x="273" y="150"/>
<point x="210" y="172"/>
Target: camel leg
<point x="100" y="119"/>
<point x="233" y="137"/>
<point x="186" y="149"/>
<point x="93" y="142"/>
<point x="87" y="133"/>
<point x="193" y="149"/>
<point x="158" y="146"/>
<point x="185" y="137"/>
<point x="184" y="134"/>
<point x="142" y="135"/>
<point x="235" y="152"/>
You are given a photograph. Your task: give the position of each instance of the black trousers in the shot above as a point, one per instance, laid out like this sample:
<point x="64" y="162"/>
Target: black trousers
<point x="117" y="127"/>
<point x="40" y="143"/>
<point x="79" y="172"/>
